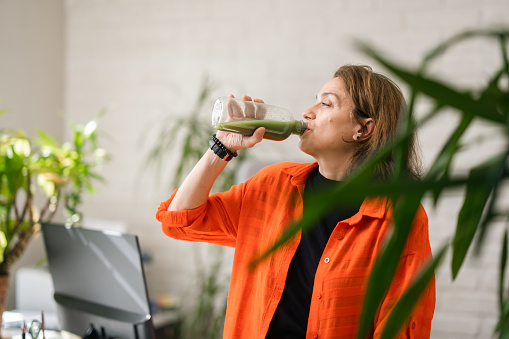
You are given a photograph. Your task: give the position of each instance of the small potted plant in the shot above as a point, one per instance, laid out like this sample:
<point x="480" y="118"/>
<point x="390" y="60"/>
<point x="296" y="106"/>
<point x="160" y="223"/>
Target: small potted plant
<point x="46" y="171"/>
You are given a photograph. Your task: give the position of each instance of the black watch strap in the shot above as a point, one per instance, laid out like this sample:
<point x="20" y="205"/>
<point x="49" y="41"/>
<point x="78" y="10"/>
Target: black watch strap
<point x="220" y="150"/>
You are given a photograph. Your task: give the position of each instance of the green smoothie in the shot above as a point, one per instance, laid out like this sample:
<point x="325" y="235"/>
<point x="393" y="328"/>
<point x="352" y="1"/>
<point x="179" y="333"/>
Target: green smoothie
<point x="274" y="130"/>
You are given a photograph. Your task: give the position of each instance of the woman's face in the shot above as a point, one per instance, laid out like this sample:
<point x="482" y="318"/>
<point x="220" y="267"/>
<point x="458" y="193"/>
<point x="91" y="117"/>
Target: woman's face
<point x="330" y="130"/>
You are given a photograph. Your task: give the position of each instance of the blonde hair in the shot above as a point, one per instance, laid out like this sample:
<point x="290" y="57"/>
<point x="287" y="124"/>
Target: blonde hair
<point x="377" y="97"/>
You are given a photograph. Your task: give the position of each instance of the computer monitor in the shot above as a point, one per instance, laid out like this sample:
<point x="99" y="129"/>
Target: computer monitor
<point x="99" y="281"/>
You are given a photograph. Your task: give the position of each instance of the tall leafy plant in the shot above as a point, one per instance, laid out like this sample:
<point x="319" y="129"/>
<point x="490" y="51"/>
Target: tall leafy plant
<point x="209" y="305"/>
<point x="68" y="170"/>
<point x="185" y="137"/>
<point x="482" y="184"/>
<point x="47" y="170"/>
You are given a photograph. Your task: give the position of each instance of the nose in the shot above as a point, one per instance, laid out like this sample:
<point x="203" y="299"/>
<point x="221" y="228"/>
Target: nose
<point x="308" y="113"/>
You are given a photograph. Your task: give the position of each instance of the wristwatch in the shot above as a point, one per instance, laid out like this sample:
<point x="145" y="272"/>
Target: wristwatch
<point x="220" y="150"/>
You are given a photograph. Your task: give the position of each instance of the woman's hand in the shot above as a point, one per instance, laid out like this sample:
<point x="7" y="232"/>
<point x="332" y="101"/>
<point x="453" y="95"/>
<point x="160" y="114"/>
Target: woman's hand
<point x="195" y="189"/>
<point x="235" y="141"/>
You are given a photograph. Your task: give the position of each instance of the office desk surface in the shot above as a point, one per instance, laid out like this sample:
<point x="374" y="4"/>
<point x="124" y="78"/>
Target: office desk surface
<point x="13" y="323"/>
<point x="14" y="333"/>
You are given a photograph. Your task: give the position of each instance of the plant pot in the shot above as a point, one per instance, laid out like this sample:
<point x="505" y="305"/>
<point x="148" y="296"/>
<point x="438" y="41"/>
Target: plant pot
<point x="4" y="284"/>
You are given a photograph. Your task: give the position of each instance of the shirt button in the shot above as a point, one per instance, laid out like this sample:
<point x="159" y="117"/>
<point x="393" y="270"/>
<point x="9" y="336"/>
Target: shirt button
<point x="319" y="296"/>
<point x="315" y="335"/>
<point x="326" y="260"/>
<point x="340" y="236"/>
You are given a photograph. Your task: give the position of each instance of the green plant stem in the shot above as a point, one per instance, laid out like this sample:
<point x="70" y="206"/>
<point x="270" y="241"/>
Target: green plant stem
<point x="27" y="207"/>
<point x="50" y="206"/>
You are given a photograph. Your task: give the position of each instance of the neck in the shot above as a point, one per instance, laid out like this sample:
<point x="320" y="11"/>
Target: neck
<point x="335" y="169"/>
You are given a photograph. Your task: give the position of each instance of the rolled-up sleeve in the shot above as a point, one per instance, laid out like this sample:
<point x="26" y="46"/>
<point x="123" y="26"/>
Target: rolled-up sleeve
<point x="214" y="222"/>
<point x="175" y="219"/>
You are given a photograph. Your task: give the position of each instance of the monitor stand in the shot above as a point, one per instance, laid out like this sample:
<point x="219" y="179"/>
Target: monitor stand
<point x="108" y="322"/>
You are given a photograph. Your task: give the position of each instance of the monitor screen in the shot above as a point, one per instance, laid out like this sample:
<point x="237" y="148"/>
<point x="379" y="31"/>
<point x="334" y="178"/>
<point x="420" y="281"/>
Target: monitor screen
<point x="99" y="280"/>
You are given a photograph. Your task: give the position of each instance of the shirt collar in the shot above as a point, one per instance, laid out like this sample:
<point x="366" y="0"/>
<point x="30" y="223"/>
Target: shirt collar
<point x="299" y="172"/>
<point x="373" y="207"/>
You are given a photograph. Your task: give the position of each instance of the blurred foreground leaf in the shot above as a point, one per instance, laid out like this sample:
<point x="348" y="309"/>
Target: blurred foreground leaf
<point x="481" y="183"/>
<point x="406" y="303"/>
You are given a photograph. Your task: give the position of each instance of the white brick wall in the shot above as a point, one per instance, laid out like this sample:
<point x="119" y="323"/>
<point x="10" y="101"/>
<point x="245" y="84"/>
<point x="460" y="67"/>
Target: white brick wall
<point x="31" y="80"/>
<point x="31" y="65"/>
<point x="149" y="57"/>
<point x="144" y="60"/>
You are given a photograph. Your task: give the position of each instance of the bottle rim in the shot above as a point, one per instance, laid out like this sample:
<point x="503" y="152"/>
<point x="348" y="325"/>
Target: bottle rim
<point x="217" y="112"/>
<point x="300" y="126"/>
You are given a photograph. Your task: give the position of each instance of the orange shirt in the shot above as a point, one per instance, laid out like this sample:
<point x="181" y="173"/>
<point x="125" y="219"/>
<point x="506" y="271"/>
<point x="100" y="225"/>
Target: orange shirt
<point x="252" y="216"/>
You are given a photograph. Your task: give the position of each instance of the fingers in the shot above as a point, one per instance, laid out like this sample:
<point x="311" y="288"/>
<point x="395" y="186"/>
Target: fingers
<point x="258" y="134"/>
<point x="234" y="110"/>
<point x="251" y="110"/>
<point x="248" y="98"/>
<point x="250" y="107"/>
<point x="235" y="142"/>
<point x="252" y="140"/>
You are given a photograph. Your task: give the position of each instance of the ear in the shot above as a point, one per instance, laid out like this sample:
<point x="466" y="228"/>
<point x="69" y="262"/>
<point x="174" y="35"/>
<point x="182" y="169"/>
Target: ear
<point x="365" y="130"/>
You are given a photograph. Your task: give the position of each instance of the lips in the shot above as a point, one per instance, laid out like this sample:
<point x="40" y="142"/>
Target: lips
<point x="304" y="133"/>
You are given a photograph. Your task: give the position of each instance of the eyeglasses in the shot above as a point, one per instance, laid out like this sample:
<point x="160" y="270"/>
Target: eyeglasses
<point x="35" y="328"/>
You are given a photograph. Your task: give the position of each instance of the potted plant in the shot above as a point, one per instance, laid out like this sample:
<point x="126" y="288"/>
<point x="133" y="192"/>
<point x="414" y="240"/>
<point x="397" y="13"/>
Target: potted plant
<point x="41" y="171"/>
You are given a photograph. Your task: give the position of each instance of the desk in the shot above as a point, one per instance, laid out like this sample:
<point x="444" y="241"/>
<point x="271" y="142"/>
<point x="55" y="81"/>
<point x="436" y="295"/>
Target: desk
<point x="166" y="325"/>
<point x="13" y="333"/>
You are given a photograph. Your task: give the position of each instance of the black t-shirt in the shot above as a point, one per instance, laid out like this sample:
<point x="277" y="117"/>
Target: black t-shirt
<point x="291" y="316"/>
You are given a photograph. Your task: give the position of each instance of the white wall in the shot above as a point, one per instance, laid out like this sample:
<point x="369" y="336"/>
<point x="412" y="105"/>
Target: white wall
<point x="31" y="65"/>
<point x="31" y="80"/>
<point x="145" y="60"/>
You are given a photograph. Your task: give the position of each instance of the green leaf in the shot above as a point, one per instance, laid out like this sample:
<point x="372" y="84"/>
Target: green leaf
<point x="481" y="182"/>
<point x="14" y="167"/>
<point x="3" y="245"/>
<point x="501" y="280"/>
<point x="444" y="159"/>
<point x="489" y="213"/>
<point x="45" y="140"/>
<point x="503" y="322"/>
<point x="387" y="261"/>
<point x="441" y="92"/>
<point x="495" y="94"/>
<point x="47" y="186"/>
<point x="89" y="129"/>
<point x="403" y="308"/>
<point x="455" y="39"/>
<point x="78" y="139"/>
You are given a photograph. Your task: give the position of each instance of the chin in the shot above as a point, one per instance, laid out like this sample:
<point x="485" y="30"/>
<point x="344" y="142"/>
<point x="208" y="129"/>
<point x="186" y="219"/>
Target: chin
<point x="303" y="148"/>
<point x="300" y="145"/>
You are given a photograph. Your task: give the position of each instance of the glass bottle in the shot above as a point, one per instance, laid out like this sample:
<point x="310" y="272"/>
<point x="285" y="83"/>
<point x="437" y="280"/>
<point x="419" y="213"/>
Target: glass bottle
<point x="244" y="117"/>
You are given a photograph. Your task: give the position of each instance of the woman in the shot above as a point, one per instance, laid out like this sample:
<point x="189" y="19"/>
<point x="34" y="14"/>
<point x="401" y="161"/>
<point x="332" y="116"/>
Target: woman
<point x="312" y="287"/>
